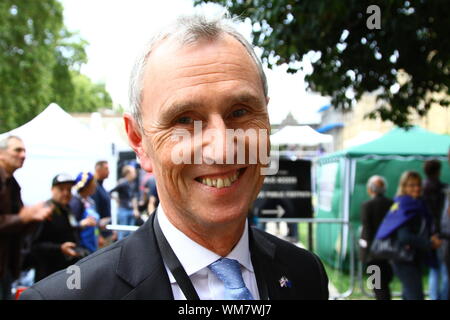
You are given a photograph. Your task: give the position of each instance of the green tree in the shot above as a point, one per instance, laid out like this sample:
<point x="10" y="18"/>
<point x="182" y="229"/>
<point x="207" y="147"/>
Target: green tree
<point x="39" y="63"/>
<point x="88" y="96"/>
<point x="352" y="55"/>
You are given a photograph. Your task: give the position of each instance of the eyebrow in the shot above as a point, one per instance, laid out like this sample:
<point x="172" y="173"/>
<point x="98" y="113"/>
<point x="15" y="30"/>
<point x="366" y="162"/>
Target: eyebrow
<point x="246" y="97"/>
<point x="178" y="108"/>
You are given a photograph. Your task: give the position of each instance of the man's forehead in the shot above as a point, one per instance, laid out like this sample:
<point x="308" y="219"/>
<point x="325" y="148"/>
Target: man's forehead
<point x="15" y="143"/>
<point x="171" y="64"/>
<point x="168" y="50"/>
<point x="63" y="186"/>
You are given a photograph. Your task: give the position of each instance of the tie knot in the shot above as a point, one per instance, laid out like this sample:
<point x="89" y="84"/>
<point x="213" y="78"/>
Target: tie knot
<point x="229" y="272"/>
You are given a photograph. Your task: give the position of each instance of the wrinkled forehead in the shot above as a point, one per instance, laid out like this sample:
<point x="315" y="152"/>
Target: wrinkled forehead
<point x="167" y="51"/>
<point x="172" y="65"/>
<point x="16" y="144"/>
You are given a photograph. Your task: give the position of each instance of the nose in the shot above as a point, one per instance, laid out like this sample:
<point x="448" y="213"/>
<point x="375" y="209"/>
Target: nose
<point x="214" y="142"/>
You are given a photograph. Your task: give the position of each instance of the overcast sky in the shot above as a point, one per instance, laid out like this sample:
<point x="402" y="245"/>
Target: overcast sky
<point x="117" y="29"/>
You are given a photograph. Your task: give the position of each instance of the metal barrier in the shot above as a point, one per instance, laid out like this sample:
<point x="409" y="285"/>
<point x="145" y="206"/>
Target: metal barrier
<point x="351" y="245"/>
<point x="120" y="227"/>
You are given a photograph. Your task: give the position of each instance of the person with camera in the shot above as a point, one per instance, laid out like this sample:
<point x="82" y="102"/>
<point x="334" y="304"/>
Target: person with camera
<point x="55" y="242"/>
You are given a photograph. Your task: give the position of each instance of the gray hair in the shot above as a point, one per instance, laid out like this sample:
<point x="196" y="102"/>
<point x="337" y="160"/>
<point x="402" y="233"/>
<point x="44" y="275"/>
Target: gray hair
<point x="5" y="142"/>
<point x="374" y="187"/>
<point x="186" y="30"/>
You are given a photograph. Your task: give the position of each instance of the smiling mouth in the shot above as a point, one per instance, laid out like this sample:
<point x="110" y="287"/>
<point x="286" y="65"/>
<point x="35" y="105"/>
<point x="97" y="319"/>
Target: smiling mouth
<point x="221" y="181"/>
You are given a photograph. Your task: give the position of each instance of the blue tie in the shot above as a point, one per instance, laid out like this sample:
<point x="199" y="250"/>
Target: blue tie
<point x="229" y="272"/>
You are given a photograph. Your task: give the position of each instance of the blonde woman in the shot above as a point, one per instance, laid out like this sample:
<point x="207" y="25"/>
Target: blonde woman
<point x="410" y="222"/>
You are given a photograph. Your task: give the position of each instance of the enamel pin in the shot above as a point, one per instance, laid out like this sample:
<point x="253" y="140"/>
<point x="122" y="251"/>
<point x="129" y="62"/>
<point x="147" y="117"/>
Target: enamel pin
<point x="285" y="283"/>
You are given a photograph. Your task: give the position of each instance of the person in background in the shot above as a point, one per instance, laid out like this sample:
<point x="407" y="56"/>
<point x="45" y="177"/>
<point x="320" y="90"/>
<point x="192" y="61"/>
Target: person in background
<point x="83" y="208"/>
<point x="434" y="196"/>
<point x="102" y="201"/>
<point x="128" y="200"/>
<point x="410" y="220"/>
<point x="151" y="194"/>
<point x="16" y="220"/>
<point x="55" y="241"/>
<point x="444" y="234"/>
<point x="373" y="212"/>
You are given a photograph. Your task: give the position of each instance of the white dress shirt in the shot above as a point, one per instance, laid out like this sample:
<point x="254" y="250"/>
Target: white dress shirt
<point x="195" y="260"/>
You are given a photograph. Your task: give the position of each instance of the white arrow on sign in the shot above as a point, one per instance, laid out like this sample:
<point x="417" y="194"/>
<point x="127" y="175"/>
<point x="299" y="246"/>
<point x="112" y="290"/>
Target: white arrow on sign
<point x="279" y="211"/>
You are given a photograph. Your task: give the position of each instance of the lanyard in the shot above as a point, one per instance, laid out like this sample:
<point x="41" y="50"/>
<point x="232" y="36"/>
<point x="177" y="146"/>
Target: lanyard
<point x="174" y="264"/>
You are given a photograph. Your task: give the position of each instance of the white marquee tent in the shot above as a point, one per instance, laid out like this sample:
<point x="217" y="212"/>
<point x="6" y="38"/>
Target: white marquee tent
<point x="300" y="135"/>
<point x="55" y="143"/>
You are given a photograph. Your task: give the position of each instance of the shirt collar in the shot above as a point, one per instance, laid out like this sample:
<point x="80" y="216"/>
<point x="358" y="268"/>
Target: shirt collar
<point x="198" y="257"/>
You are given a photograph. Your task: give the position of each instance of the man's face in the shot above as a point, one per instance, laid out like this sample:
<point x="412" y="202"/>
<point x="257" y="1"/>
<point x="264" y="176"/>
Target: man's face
<point x="131" y="175"/>
<point x="217" y="83"/>
<point x="14" y="155"/>
<point x="61" y="193"/>
<point x="103" y="171"/>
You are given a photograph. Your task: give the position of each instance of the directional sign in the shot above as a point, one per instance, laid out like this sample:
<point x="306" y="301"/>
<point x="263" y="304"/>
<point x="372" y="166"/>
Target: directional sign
<point x="279" y="211"/>
<point x="286" y="194"/>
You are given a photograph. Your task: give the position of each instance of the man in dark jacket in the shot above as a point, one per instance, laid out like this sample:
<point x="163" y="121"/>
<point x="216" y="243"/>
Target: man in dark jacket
<point x="198" y="244"/>
<point x="16" y="221"/>
<point x="55" y="241"/>
<point x="372" y="214"/>
<point x="102" y="201"/>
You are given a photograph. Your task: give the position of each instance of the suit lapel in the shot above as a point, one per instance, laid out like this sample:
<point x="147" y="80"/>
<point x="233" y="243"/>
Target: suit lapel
<point x="141" y="266"/>
<point x="268" y="271"/>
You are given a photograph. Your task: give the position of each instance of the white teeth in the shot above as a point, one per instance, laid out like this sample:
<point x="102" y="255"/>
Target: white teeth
<point x="221" y="182"/>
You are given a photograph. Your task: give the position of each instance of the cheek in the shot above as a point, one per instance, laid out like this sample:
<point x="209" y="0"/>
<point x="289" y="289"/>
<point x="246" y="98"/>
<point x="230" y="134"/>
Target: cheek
<point x="260" y="145"/>
<point x="160" y="148"/>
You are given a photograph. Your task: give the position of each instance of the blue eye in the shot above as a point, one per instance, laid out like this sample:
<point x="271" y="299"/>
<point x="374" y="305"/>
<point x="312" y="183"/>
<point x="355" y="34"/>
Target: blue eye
<point x="239" y="113"/>
<point x="185" y="120"/>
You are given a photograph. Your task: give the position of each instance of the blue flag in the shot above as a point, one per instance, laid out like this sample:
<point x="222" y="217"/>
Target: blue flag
<point x="402" y="210"/>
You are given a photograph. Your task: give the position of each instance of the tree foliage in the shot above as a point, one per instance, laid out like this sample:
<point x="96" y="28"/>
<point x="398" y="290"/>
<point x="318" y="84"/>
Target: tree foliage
<point x="39" y="63"/>
<point x="351" y="58"/>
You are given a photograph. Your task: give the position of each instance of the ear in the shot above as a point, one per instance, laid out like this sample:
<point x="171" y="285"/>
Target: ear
<point x="136" y="142"/>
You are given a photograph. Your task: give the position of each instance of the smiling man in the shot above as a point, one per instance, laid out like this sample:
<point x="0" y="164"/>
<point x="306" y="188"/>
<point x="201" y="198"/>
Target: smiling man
<point x="198" y="73"/>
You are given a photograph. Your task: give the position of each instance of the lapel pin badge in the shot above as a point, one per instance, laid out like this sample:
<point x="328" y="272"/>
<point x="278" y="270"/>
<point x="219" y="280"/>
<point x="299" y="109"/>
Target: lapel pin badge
<point x="285" y="282"/>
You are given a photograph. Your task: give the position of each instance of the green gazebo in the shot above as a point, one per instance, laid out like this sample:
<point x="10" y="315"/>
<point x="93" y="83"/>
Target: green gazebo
<point x="341" y="180"/>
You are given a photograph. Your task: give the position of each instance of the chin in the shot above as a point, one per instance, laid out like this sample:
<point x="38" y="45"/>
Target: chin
<point x="224" y="215"/>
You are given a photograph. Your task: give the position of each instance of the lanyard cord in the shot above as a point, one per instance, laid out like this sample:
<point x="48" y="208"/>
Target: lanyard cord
<point x="174" y="264"/>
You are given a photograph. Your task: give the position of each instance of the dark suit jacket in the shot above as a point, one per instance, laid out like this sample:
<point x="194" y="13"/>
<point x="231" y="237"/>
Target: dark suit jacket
<point x="133" y="269"/>
<point x="372" y="214"/>
<point x="12" y="229"/>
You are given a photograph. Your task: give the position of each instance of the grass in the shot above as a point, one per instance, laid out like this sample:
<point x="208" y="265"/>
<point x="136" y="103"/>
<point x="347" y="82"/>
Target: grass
<point x="341" y="280"/>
